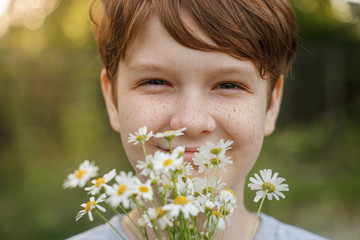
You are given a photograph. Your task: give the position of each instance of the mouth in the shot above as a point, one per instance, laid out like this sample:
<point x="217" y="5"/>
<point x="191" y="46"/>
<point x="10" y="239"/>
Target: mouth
<point x="188" y="154"/>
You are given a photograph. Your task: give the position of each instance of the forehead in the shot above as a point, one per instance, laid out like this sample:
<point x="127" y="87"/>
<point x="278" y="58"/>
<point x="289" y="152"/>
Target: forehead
<point x="155" y="49"/>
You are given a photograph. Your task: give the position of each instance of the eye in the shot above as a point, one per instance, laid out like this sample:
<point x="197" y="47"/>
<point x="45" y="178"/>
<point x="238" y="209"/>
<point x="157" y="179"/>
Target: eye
<point x="229" y="85"/>
<point x="155" y="82"/>
<point x="154" y="85"/>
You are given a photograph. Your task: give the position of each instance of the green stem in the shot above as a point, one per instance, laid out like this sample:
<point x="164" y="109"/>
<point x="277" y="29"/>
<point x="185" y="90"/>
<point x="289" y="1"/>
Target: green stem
<point x="217" y="176"/>
<point x="125" y="212"/>
<point x="118" y="213"/>
<point x="174" y="177"/>
<point x="187" y="228"/>
<point x="215" y="230"/>
<point x="258" y="213"/>
<point x="109" y="224"/>
<point x="169" y="233"/>
<point x="143" y="146"/>
<point x="213" y="192"/>
<point x="170" y="145"/>
<point x="207" y="180"/>
<point x="196" y="227"/>
<point x="113" y="209"/>
<point x="208" y="221"/>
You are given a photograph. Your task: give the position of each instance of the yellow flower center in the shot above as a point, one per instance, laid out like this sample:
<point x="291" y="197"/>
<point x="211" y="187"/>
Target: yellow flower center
<point x="216" y="151"/>
<point x="80" y="173"/>
<point x="229" y="190"/>
<point x="121" y="189"/>
<point x="208" y="190"/>
<point x="141" y="138"/>
<point x="99" y="181"/>
<point x="168" y="162"/>
<point x="268" y="186"/>
<point x="88" y="205"/>
<point x="144" y="189"/>
<point x="168" y="136"/>
<point x="215" y="161"/>
<point x="216" y="213"/>
<point x="160" y="212"/>
<point x="181" y="200"/>
<point x="150" y="165"/>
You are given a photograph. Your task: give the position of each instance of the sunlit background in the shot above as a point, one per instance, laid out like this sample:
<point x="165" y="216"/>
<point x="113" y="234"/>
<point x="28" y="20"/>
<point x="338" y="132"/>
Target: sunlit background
<point x="52" y="117"/>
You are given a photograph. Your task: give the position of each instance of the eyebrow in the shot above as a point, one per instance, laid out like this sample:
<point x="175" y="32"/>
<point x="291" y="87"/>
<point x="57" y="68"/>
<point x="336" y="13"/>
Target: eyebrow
<point x="147" y="67"/>
<point x="157" y="67"/>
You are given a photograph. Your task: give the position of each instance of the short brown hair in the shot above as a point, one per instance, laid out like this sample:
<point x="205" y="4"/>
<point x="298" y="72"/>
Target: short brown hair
<point x="263" y="31"/>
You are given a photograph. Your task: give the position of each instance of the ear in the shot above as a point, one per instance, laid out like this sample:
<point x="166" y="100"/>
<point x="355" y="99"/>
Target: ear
<point x="107" y="92"/>
<point x="274" y="107"/>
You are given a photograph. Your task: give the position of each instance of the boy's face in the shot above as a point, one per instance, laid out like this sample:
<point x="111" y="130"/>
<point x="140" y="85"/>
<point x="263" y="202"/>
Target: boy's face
<point x="164" y="85"/>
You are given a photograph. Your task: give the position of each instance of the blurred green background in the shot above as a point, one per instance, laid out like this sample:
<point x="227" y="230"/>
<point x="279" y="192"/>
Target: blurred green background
<point x="52" y="117"/>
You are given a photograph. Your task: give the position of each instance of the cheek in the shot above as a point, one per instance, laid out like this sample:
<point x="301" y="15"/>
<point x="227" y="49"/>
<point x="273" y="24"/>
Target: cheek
<point x="244" y="124"/>
<point x="137" y="111"/>
<point x="243" y="121"/>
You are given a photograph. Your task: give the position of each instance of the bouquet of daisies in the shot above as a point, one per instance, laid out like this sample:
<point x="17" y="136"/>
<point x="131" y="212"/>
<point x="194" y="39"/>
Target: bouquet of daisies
<point x="170" y="202"/>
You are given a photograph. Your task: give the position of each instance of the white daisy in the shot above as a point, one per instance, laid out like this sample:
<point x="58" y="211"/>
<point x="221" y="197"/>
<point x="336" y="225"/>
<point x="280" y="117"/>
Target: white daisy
<point x="202" y="159"/>
<point x="140" y="136"/>
<point x="187" y="168"/>
<point x="147" y="167"/>
<point x="91" y="205"/>
<point x="141" y="222"/>
<point x="272" y="184"/>
<point x="80" y="176"/>
<point x="187" y="205"/>
<point x="222" y="161"/>
<point x="211" y="155"/>
<point x="144" y="191"/>
<point x="209" y="205"/>
<point x="100" y="182"/>
<point x="160" y="216"/>
<point x="121" y="191"/>
<point x="170" y="134"/>
<point x="205" y="202"/>
<point x="218" y="220"/>
<point x="166" y="162"/>
<point x="216" y="149"/>
<point x="184" y="185"/>
<point x="227" y="197"/>
<point x="179" y="150"/>
<point x="166" y="184"/>
<point x="200" y="185"/>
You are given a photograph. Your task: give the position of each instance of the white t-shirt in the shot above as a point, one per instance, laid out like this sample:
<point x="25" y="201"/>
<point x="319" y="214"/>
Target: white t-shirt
<point x="270" y="229"/>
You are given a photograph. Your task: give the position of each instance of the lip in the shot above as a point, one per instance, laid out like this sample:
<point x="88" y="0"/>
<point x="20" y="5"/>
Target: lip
<point x="188" y="154"/>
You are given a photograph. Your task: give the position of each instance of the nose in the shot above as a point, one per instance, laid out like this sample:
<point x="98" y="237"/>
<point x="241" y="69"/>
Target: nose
<point x="193" y="113"/>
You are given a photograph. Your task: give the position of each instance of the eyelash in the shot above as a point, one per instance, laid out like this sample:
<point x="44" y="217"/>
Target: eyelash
<point x="233" y="85"/>
<point x="156" y="82"/>
<point x="222" y="85"/>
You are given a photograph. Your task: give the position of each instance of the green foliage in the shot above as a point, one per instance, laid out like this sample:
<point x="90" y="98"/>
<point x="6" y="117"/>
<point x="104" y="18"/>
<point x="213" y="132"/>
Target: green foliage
<point x="52" y="117"/>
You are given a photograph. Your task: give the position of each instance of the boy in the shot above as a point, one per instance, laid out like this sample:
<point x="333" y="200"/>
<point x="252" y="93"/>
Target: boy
<point x="214" y="67"/>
